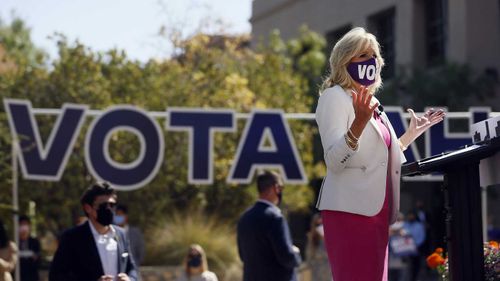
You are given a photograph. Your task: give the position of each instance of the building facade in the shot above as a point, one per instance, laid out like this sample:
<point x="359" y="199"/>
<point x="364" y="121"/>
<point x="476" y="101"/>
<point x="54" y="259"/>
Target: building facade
<point x="413" y="33"/>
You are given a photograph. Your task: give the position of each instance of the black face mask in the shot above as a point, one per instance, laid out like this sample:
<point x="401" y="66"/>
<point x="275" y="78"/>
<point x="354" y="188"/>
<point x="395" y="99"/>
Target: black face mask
<point x="104" y="215"/>
<point x="194" y="261"/>
<point x="280" y="197"/>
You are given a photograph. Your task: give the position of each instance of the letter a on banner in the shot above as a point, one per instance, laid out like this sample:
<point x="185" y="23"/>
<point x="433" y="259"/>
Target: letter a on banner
<point x="39" y="162"/>
<point x="252" y="154"/>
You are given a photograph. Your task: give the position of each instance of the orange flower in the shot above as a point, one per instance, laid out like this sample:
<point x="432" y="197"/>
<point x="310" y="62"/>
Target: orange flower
<point x="438" y="251"/>
<point x="435" y="260"/>
<point x="494" y="244"/>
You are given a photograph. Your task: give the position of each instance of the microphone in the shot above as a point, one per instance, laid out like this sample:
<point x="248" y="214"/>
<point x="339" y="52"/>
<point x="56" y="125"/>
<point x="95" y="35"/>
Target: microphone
<point x="379" y="110"/>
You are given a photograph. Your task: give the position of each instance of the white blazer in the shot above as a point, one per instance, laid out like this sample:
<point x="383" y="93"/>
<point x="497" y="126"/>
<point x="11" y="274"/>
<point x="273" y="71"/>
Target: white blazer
<point x="356" y="180"/>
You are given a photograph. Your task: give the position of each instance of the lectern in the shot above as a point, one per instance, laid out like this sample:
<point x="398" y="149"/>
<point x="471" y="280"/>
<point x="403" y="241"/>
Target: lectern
<point x="462" y="195"/>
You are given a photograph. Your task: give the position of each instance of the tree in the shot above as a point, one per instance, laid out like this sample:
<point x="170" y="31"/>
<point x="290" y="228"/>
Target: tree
<point x="16" y="41"/>
<point x="209" y="72"/>
<point x="454" y="85"/>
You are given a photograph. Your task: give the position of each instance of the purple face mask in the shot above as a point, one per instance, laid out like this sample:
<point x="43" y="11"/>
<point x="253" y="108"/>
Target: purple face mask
<point x="363" y="72"/>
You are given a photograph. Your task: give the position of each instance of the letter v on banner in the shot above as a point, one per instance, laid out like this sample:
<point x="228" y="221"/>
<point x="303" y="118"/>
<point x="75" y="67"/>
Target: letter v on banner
<point x="39" y="162"/>
<point x="251" y="154"/>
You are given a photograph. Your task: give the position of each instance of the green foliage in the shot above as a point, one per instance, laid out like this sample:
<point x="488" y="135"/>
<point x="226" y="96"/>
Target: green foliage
<point x="208" y="72"/>
<point x="16" y="39"/>
<point x="170" y="241"/>
<point x="305" y="54"/>
<point x="308" y="53"/>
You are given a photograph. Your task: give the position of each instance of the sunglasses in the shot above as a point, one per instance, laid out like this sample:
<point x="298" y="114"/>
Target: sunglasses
<point x="111" y="205"/>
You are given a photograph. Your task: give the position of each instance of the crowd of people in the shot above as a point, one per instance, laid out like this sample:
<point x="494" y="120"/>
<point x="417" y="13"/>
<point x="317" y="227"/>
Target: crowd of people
<point x="28" y="252"/>
<point x="104" y="247"/>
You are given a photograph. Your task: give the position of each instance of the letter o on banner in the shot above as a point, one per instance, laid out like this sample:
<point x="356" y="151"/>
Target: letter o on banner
<point x="123" y="176"/>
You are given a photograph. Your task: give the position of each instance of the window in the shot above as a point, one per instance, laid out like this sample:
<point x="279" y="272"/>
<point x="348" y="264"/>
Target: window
<point x="382" y="25"/>
<point x="333" y="36"/>
<point x="435" y="31"/>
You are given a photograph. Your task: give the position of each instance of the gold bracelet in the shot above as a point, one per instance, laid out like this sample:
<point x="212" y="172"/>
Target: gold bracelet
<point x="401" y="146"/>
<point x="351" y="139"/>
<point x="354" y="147"/>
<point x="352" y="144"/>
<point x="352" y="135"/>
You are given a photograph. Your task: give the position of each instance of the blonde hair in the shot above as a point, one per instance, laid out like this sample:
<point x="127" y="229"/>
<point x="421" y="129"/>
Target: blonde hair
<point x="204" y="263"/>
<point x="351" y="44"/>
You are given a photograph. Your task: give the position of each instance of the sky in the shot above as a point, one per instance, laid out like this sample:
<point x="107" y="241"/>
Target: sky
<point x="131" y="25"/>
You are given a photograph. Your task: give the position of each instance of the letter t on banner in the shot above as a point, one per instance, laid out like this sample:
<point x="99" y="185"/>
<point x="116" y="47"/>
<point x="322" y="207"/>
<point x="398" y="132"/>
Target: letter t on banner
<point x="201" y="124"/>
<point x="252" y="154"/>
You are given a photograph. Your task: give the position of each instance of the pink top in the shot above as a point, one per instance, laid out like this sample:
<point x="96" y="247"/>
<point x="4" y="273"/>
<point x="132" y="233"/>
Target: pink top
<point x="352" y="240"/>
<point x="383" y="129"/>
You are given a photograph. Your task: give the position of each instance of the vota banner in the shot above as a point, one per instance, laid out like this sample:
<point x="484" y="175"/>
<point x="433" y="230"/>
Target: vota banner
<point x="266" y="142"/>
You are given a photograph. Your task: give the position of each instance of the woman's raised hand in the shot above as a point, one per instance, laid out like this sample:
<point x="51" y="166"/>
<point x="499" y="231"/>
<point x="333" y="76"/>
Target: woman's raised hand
<point x="419" y="125"/>
<point x="362" y="109"/>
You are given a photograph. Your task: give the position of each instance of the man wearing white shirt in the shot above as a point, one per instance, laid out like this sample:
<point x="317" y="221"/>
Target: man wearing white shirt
<point x="94" y="250"/>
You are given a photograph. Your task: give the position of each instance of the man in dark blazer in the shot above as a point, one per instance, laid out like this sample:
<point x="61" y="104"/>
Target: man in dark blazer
<point x="264" y="241"/>
<point x="134" y="234"/>
<point x="94" y="250"/>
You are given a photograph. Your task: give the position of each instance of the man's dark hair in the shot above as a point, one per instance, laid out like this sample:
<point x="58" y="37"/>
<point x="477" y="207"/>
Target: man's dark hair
<point x="4" y="239"/>
<point x="123" y="208"/>
<point x="24" y="218"/>
<point x="95" y="190"/>
<point x="266" y="180"/>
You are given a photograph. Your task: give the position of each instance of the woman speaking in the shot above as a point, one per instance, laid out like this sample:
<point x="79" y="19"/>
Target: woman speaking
<point x="360" y="194"/>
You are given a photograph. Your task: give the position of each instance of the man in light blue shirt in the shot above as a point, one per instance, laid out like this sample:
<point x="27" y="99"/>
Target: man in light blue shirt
<point x="416" y="229"/>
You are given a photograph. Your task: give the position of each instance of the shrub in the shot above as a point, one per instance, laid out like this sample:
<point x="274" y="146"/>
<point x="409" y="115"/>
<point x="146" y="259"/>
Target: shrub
<point x="169" y="242"/>
<point x="439" y="261"/>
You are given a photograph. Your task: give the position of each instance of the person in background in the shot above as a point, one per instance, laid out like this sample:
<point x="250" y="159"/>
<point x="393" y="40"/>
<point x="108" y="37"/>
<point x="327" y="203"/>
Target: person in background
<point x="264" y="241"/>
<point x="416" y="229"/>
<point x="195" y="266"/>
<point x="29" y="251"/>
<point x="8" y="255"/>
<point x="94" y="250"/>
<point x="80" y="220"/>
<point x="492" y="230"/>
<point x="420" y="211"/>
<point x="134" y="233"/>
<point x="397" y="265"/>
<point x="316" y="256"/>
<point x="425" y="248"/>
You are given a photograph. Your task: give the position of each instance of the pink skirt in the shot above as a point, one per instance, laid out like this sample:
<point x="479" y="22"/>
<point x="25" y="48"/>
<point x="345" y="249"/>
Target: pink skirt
<point x="357" y="245"/>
